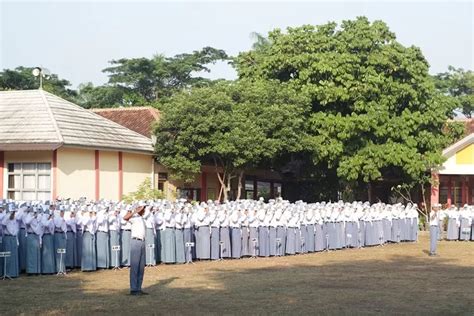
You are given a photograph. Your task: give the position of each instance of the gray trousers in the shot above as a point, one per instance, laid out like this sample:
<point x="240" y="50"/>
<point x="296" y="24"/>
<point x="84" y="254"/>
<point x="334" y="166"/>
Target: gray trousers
<point x="433" y="239"/>
<point x="137" y="264"/>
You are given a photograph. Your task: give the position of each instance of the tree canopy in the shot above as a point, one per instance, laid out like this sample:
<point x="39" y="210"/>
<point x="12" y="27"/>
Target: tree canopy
<point x="459" y="84"/>
<point x="345" y="102"/>
<point x="231" y="125"/>
<point x="21" y="78"/>
<point x="373" y="110"/>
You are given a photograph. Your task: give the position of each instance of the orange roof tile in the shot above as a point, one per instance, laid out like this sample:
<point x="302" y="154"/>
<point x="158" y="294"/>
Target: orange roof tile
<point x="139" y="119"/>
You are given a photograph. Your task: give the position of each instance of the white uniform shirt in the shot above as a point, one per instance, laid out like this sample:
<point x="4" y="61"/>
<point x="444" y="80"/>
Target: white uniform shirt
<point x="138" y="227"/>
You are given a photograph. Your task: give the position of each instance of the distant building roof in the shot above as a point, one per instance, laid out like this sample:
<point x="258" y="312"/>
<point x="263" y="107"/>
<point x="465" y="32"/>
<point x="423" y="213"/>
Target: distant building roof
<point x="36" y="119"/>
<point x="469" y="123"/>
<point x="139" y="119"/>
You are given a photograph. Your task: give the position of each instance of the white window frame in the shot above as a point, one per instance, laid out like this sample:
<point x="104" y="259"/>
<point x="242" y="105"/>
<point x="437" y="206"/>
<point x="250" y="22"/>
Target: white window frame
<point x="36" y="172"/>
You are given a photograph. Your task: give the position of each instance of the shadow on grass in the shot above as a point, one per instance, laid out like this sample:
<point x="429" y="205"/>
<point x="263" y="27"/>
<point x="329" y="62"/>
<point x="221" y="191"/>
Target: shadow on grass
<point x="401" y="285"/>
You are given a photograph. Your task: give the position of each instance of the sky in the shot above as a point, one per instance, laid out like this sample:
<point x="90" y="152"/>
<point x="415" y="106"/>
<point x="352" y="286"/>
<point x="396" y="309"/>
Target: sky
<point x="77" y="39"/>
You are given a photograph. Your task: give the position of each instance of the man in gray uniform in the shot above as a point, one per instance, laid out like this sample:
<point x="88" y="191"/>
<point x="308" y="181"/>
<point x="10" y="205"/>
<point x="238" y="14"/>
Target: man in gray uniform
<point x="137" y="249"/>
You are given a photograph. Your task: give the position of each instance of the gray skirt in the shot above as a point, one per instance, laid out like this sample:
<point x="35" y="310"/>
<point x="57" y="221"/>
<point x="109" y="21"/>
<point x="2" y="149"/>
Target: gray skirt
<point x="453" y="230"/>
<point x="290" y="241"/>
<point x="387" y="230"/>
<point x="103" y="250"/>
<point x="215" y="248"/>
<point x="89" y="255"/>
<point x="48" y="264"/>
<point x="263" y="241"/>
<point x="10" y="243"/>
<point x="245" y="242"/>
<point x="310" y="238"/>
<point x="162" y="245"/>
<point x="126" y="239"/>
<point x="60" y="243"/>
<point x="319" y="239"/>
<point x="180" y="250"/>
<point x="150" y="245"/>
<point x="115" y="255"/>
<point x="22" y="249"/>
<point x="334" y="242"/>
<point x="203" y="242"/>
<point x="465" y="229"/>
<point x="351" y="235"/>
<point x="169" y="245"/>
<point x="370" y="234"/>
<point x="158" y="246"/>
<point x="395" y="230"/>
<point x="272" y="241"/>
<point x="341" y="235"/>
<point x="78" y="260"/>
<point x="236" y="242"/>
<point x="71" y="250"/>
<point x="301" y="239"/>
<point x="189" y="237"/>
<point x="33" y="254"/>
<point x="281" y="240"/>
<point x="253" y="241"/>
<point x="225" y="242"/>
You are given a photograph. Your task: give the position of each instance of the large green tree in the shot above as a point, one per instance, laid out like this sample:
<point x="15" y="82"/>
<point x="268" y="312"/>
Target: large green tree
<point x="21" y="78"/>
<point x="231" y="125"/>
<point x="160" y="77"/>
<point x="373" y="110"/>
<point x="459" y="84"/>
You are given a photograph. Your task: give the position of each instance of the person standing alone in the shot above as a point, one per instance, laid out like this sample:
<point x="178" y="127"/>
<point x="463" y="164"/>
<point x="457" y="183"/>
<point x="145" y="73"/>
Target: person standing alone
<point x="137" y="249"/>
<point x="434" y="222"/>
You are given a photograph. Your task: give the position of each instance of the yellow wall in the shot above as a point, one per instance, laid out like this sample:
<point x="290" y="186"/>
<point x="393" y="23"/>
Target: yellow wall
<point x="76" y="173"/>
<point x="465" y="156"/>
<point x="29" y="156"/>
<point x="136" y="168"/>
<point x="109" y="175"/>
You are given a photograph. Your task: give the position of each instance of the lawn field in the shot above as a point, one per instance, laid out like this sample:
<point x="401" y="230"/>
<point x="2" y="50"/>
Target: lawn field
<point x="394" y="279"/>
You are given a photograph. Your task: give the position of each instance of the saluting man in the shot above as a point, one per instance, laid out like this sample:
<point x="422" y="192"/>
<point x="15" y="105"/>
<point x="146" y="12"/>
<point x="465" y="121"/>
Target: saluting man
<point x="137" y="249"/>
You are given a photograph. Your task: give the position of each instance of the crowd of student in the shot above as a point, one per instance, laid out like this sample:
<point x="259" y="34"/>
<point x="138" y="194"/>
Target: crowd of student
<point x="457" y="223"/>
<point x="93" y="235"/>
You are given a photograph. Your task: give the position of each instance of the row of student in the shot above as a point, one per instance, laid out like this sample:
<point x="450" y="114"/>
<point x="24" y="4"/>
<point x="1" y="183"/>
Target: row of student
<point x="95" y="235"/>
<point x="459" y="222"/>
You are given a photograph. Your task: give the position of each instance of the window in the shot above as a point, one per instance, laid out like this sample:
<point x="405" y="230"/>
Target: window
<point x="443" y="195"/>
<point x="162" y="178"/>
<point x="263" y="190"/>
<point x="29" y="181"/>
<point x="249" y="189"/>
<point x="189" y="194"/>
<point x="276" y="189"/>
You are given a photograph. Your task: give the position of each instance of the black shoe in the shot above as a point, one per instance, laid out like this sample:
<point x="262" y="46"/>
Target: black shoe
<point x="143" y="293"/>
<point x="134" y="293"/>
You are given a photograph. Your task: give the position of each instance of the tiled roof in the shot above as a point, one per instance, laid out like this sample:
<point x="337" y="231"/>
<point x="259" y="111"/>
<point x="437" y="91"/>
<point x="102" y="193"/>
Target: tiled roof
<point x="469" y="123"/>
<point x="37" y="119"/>
<point x="139" y="119"/>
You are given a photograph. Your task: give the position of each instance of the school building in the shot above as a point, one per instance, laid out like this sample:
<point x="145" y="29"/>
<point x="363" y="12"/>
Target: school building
<point x="51" y="148"/>
<point x="454" y="181"/>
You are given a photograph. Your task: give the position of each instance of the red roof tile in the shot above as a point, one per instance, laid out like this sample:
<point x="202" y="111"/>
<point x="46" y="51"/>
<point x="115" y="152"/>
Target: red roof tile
<point x="469" y="123"/>
<point x="138" y="119"/>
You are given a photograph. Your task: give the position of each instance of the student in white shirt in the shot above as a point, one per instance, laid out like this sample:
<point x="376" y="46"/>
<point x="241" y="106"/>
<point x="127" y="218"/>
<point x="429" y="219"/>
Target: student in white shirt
<point x="137" y="249"/>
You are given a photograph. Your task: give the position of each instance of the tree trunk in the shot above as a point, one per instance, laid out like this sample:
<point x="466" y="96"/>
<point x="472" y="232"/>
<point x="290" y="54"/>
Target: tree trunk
<point x="227" y="188"/>
<point x="222" y="185"/>
<point x="369" y="192"/>
<point x="425" y="207"/>
<point x="239" y="185"/>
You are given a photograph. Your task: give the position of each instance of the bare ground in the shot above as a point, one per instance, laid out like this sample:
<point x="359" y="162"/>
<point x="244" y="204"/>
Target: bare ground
<point x="394" y="279"/>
